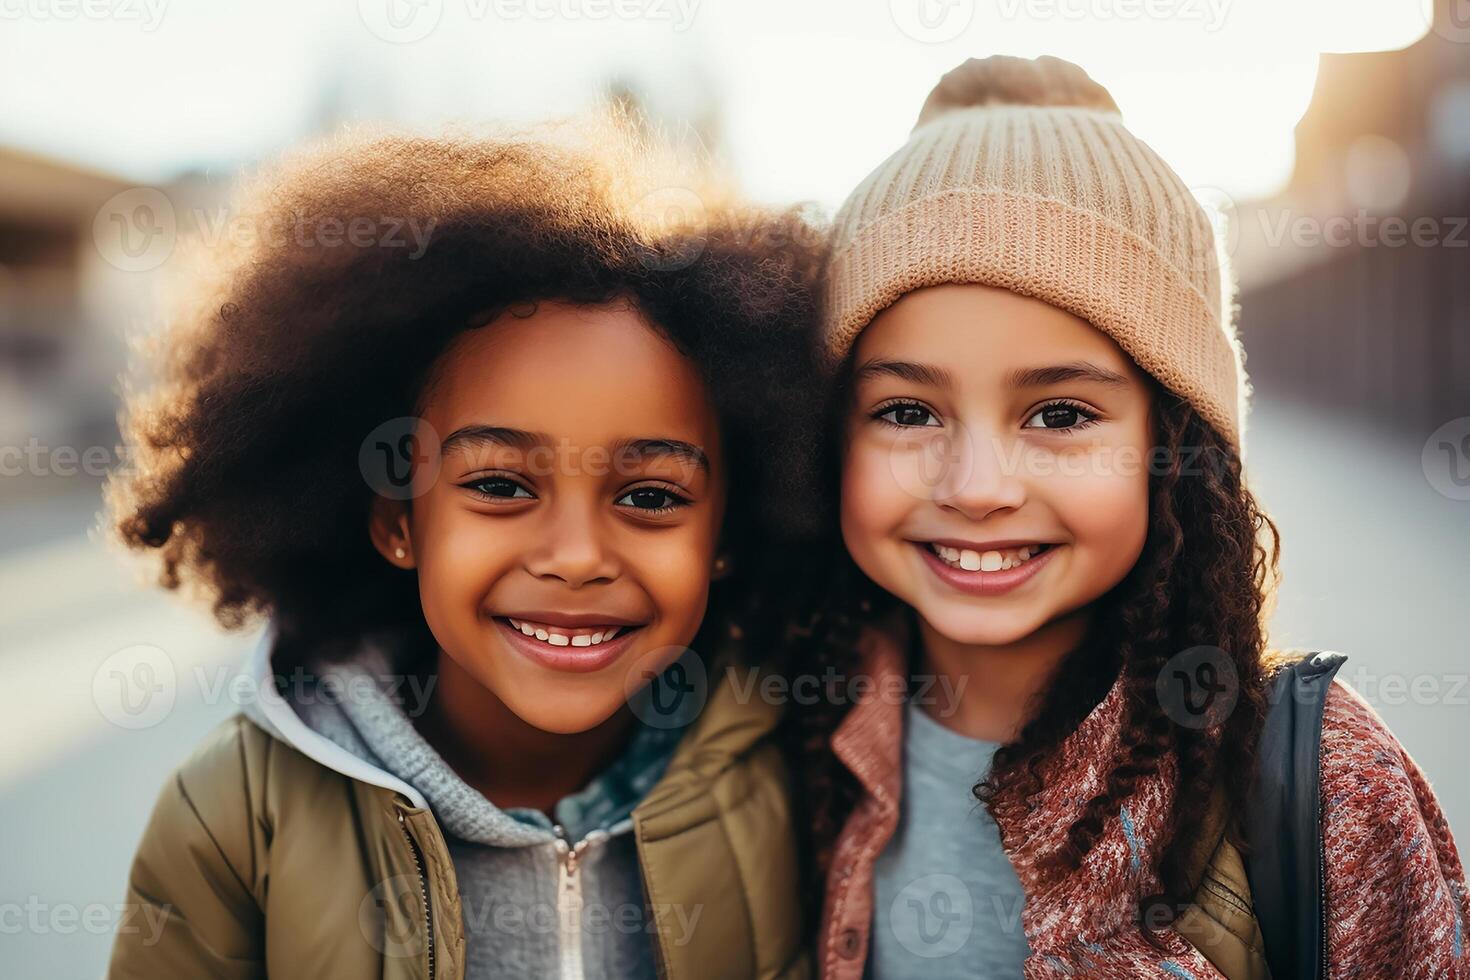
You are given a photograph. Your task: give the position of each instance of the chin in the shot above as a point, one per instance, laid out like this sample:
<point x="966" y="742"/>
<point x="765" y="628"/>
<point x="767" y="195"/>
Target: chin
<point x="980" y="627"/>
<point x="556" y="716"/>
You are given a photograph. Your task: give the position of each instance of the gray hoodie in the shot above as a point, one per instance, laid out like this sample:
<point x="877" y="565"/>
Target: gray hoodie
<point x="521" y="917"/>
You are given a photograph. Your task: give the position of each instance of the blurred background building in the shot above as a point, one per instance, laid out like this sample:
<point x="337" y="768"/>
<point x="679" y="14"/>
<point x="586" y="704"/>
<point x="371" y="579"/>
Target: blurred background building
<point x="59" y="350"/>
<point x="1356" y="277"/>
<point x="1324" y="133"/>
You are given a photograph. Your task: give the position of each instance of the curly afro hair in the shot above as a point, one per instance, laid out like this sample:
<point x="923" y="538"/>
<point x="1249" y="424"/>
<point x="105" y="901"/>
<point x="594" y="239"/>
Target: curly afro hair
<point x="364" y="258"/>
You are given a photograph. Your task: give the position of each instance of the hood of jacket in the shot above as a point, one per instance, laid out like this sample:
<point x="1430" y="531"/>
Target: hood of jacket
<point x="733" y="719"/>
<point x="365" y="704"/>
<point x="276" y="712"/>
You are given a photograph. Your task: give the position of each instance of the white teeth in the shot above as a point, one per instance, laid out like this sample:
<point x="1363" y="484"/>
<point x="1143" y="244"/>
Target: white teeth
<point x="563" y="639"/>
<point x="987" y="561"/>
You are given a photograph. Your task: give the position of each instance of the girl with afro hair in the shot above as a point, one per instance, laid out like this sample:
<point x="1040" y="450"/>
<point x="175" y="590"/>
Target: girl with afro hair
<point x="498" y="436"/>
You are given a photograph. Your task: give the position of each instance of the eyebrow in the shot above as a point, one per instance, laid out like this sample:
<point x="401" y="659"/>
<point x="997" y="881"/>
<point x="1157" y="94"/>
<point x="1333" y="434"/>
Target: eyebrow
<point x="474" y="436"/>
<point x="938" y="377"/>
<point x="921" y="374"/>
<point x="1055" y="374"/>
<point x="675" y="449"/>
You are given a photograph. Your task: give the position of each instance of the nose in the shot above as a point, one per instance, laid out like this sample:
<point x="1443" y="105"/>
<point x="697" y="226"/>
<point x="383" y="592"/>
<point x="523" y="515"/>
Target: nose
<point x="573" y="547"/>
<point x="983" y="476"/>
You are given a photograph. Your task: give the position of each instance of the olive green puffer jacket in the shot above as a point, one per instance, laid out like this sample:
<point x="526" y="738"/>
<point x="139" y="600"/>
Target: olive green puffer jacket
<point x="280" y="854"/>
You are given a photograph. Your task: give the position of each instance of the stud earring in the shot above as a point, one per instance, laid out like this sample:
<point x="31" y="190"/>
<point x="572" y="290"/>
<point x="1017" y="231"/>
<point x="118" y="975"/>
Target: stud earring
<point x="721" y="566"/>
<point x="399" y="553"/>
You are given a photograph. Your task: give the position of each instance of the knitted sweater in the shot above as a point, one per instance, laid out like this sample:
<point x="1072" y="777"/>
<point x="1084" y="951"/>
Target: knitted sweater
<point x="1395" y="888"/>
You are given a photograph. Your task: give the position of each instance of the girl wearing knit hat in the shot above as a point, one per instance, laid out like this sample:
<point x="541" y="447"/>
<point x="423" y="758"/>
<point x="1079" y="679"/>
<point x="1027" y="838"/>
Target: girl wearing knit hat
<point x="1038" y="421"/>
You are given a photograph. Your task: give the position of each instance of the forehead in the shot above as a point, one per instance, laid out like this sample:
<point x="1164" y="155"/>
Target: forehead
<point x="984" y="332"/>
<point x="591" y="374"/>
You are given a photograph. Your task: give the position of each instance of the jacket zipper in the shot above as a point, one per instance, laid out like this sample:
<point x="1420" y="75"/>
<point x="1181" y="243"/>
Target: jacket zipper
<point x="418" y="863"/>
<point x="569" y="899"/>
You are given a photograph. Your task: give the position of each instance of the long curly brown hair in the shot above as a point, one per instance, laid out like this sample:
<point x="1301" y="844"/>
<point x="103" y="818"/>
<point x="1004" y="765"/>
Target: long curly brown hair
<point x="1204" y="578"/>
<point x="303" y="336"/>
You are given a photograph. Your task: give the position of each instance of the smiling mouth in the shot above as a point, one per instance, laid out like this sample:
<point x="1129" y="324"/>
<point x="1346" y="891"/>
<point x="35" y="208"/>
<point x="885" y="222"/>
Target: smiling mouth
<point x="563" y="636"/>
<point x="970" y="560"/>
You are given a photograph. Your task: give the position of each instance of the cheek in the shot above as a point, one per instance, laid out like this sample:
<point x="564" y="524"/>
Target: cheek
<point x="673" y="567"/>
<point x="459" y="554"/>
<point x="872" y="511"/>
<point x="873" y="502"/>
<point x="1106" y="513"/>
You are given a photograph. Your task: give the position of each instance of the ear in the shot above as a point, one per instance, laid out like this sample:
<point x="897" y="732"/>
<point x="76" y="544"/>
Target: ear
<point x="388" y="528"/>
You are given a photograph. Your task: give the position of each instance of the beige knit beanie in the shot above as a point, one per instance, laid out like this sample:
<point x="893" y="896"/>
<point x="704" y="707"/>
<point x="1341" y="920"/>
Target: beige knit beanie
<point x="1020" y="174"/>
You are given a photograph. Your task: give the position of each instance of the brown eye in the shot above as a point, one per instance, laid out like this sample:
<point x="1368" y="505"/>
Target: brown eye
<point x="653" y="499"/>
<point x="497" y="486"/>
<point x="1060" y="415"/>
<point x="1059" y="418"/>
<point x="907" y="415"/>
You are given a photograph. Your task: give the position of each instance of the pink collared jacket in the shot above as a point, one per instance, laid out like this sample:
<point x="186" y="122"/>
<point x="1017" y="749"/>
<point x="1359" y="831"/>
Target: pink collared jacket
<point x="1396" y="895"/>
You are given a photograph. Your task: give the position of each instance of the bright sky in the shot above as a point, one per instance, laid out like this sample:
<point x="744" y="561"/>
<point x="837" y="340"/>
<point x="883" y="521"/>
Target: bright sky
<point x="813" y="93"/>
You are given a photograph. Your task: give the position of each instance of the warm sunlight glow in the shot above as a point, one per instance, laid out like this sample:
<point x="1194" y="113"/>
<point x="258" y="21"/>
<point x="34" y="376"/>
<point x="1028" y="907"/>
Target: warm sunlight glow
<point x="807" y="97"/>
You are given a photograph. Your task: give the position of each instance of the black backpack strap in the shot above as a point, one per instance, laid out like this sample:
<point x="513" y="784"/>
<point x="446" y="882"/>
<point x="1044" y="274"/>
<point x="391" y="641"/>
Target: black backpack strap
<point x="1284" y="826"/>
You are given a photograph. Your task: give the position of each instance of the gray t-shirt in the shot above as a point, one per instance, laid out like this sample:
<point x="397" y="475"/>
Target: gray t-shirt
<point x="946" y="901"/>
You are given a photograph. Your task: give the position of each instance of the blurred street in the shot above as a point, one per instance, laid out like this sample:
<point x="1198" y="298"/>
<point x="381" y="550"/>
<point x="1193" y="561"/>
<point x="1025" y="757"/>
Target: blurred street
<point x="76" y="789"/>
<point x="1373" y="562"/>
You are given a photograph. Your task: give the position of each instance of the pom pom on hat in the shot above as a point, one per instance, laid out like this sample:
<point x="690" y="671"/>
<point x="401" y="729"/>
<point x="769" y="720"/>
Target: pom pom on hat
<point x="1006" y="80"/>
